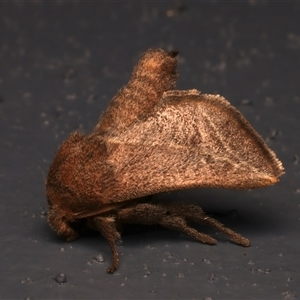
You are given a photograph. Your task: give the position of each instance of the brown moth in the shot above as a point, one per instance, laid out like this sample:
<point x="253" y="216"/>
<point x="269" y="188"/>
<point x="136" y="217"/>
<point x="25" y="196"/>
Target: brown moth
<point x="153" y="139"/>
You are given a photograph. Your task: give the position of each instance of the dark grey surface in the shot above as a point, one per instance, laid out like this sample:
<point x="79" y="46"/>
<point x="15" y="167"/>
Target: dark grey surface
<point x="61" y="62"/>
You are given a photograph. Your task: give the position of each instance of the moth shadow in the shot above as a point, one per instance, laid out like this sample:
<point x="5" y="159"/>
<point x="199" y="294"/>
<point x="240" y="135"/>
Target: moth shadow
<point x="235" y="209"/>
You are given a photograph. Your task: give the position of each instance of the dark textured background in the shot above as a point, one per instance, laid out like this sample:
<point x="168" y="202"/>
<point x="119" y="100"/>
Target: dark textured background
<point x="62" y="61"/>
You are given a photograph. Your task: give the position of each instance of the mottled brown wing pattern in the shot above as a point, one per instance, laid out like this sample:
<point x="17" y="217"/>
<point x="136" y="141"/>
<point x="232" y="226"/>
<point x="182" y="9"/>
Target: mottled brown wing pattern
<point x="190" y="140"/>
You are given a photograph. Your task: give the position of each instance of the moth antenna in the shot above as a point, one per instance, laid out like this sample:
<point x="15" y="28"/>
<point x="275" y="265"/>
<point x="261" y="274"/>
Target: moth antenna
<point x="45" y="179"/>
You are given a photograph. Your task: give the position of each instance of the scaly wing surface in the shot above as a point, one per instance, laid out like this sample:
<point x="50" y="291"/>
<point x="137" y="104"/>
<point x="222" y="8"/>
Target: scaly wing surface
<point x="190" y="140"/>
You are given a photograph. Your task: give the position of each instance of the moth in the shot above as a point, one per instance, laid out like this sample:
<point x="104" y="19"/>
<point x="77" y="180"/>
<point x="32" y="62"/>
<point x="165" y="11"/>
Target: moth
<point x="152" y="139"/>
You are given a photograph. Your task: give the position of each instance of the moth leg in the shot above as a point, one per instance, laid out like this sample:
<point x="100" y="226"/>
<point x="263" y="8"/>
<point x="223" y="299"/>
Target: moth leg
<point x="143" y="213"/>
<point x="196" y="214"/>
<point x="149" y="214"/>
<point x="107" y="227"/>
<point x="59" y="222"/>
<point x="178" y="223"/>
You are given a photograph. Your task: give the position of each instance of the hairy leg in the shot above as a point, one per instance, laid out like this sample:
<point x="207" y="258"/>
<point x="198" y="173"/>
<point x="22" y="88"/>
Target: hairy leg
<point x="60" y="223"/>
<point x="178" y="223"/>
<point x="196" y="214"/>
<point x="143" y="213"/>
<point x="147" y="213"/>
<point x="107" y="227"/>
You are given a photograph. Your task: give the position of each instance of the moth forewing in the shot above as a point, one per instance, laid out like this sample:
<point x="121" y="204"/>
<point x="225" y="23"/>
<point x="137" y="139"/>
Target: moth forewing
<point x="191" y="140"/>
